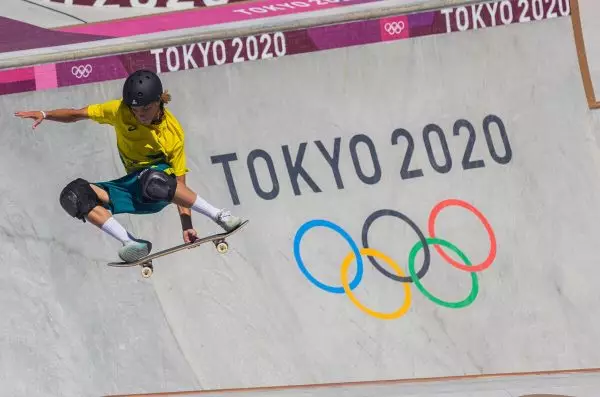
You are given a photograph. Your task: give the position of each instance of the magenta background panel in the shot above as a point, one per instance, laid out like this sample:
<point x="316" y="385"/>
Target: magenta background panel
<point x="279" y="44"/>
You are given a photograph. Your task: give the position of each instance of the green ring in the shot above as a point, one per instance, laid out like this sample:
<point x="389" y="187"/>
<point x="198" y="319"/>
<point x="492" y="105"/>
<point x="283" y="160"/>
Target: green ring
<point x="411" y="268"/>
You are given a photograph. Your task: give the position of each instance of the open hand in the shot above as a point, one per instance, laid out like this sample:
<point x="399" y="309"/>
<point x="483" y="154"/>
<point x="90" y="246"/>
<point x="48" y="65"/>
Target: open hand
<point x="189" y="235"/>
<point x="35" y="115"/>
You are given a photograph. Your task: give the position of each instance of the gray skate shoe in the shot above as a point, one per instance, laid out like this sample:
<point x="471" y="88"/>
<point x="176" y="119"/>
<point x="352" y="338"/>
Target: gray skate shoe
<point x="228" y="221"/>
<point x="134" y="250"/>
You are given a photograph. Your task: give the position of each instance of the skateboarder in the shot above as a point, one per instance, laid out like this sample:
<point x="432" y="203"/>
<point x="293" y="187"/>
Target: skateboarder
<point x="150" y="142"/>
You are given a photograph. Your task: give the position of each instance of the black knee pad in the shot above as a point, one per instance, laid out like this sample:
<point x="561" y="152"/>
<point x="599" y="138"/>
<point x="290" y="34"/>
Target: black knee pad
<point x="157" y="186"/>
<point x="78" y="198"/>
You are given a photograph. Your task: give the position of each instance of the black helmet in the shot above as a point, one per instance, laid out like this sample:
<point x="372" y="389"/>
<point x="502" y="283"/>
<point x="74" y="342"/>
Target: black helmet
<point x="141" y="88"/>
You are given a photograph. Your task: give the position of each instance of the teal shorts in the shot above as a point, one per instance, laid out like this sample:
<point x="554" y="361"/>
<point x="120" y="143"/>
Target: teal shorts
<point x="125" y="195"/>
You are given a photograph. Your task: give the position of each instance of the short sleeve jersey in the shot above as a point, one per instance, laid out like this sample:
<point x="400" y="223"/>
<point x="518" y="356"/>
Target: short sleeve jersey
<point x="139" y="145"/>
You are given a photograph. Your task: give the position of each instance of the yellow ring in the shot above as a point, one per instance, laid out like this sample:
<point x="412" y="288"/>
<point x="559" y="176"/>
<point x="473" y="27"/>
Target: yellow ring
<point x="373" y="252"/>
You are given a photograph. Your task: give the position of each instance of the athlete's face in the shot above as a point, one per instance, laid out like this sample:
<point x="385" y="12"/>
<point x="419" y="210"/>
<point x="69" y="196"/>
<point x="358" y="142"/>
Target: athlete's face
<point x="145" y="114"/>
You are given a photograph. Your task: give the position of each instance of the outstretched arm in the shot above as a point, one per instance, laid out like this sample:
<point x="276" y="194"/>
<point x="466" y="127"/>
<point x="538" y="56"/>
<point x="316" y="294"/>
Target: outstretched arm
<point x="60" y="115"/>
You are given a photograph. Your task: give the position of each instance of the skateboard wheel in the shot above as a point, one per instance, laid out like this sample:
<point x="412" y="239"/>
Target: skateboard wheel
<point x="147" y="271"/>
<point x="222" y="247"/>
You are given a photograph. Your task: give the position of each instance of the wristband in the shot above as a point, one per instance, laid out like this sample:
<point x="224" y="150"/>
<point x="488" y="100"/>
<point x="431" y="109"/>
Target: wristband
<point x="43" y="114"/>
<point x="186" y="222"/>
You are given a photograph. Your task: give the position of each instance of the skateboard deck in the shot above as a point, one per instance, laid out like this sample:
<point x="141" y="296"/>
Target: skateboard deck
<point x="146" y="262"/>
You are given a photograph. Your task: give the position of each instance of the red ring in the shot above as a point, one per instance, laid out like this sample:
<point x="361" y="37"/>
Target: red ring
<point x="434" y="213"/>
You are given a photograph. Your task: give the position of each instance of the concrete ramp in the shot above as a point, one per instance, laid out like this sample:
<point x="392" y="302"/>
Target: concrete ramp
<point x="418" y="208"/>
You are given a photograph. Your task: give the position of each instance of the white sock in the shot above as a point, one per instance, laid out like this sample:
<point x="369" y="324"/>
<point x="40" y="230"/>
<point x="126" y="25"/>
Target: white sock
<point x="203" y="207"/>
<point x="115" y="229"/>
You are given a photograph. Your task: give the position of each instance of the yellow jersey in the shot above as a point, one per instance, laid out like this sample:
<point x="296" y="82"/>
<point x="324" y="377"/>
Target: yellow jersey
<point x="139" y="145"/>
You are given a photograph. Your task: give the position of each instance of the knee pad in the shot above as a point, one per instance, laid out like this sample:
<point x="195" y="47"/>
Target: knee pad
<point x="78" y="198"/>
<point x="157" y="186"/>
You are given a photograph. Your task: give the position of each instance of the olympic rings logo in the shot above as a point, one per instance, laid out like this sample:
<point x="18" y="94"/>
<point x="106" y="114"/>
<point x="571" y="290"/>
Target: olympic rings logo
<point x="394" y="27"/>
<point x="81" y="71"/>
<point x="399" y="275"/>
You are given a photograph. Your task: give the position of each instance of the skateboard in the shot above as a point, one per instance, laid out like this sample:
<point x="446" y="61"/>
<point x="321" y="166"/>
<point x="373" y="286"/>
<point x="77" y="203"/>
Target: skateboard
<point x="146" y="262"/>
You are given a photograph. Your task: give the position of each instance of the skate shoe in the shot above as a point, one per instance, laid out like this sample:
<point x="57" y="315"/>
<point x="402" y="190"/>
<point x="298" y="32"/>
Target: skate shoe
<point x="227" y="221"/>
<point x="134" y="250"/>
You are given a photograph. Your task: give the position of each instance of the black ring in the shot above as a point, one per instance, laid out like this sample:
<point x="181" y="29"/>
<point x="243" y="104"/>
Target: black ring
<point x="365" y="232"/>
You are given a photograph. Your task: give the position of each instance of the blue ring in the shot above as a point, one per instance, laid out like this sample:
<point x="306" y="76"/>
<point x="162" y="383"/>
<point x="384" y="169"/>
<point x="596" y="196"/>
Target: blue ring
<point x="320" y="222"/>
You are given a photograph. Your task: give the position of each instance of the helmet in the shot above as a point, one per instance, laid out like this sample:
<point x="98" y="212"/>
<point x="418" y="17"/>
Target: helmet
<point x="141" y="88"/>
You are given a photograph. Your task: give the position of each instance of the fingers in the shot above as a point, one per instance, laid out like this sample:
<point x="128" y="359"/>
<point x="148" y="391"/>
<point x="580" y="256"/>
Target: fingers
<point x="37" y="116"/>
<point x="189" y="236"/>
<point x="26" y="114"/>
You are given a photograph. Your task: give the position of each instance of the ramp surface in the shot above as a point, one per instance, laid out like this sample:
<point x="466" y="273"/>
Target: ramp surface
<point x="467" y="163"/>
